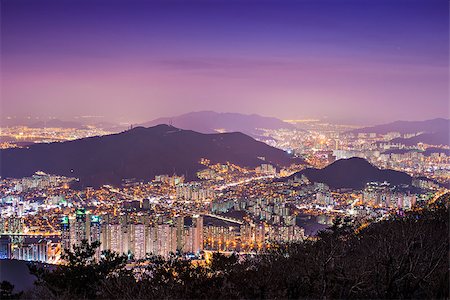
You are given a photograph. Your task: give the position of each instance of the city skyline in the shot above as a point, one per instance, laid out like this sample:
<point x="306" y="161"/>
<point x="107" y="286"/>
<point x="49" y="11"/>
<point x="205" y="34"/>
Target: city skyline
<point x="224" y="149"/>
<point x="137" y="61"/>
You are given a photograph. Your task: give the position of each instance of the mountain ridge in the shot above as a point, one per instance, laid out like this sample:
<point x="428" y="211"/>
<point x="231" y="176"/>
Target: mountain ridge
<point x="352" y="173"/>
<point x="435" y="138"/>
<point x="139" y="153"/>
<point x="212" y="122"/>
<point x="405" y="127"/>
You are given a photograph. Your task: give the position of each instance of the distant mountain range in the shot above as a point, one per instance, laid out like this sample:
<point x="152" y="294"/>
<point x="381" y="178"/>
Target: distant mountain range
<point x="435" y="138"/>
<point x="139" y="153"/>
<point x="353" y="173"/>
<point x="213" y="122"/>
<point x="404" y="127"/>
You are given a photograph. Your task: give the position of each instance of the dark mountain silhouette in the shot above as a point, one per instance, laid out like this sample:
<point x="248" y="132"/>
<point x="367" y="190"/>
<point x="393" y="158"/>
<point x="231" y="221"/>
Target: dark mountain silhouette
<point x="353" y="173"/>
<point x="427" y="126"/>
<point x="211" y="122"/>
<point x="436" y="138"/>
<point x="139" y="153"/>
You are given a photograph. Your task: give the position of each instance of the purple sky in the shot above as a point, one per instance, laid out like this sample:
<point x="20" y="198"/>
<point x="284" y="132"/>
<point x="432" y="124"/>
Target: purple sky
<point x="363" y="61"/>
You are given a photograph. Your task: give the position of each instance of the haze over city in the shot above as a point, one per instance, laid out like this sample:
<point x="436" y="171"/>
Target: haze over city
<point x="133" y="61"/>
<point x="224" y="149"/>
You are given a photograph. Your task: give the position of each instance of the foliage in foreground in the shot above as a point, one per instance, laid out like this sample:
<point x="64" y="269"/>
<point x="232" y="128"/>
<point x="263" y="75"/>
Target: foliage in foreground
<point x="397" y="258"/>
<point x="7" y="291"/>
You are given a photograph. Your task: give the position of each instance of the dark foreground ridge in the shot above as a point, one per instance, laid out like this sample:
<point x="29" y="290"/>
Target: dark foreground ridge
<point x="401" y="257"/>
<point x="353" y="173"/>
<point x="140" y="153"/>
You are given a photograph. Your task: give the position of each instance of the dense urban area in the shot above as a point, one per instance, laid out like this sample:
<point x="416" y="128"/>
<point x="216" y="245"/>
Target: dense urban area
<point x="228" y="209"/>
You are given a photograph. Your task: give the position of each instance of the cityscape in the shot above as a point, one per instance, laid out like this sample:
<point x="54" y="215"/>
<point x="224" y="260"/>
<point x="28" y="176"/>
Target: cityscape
<point x="223" y="155"/>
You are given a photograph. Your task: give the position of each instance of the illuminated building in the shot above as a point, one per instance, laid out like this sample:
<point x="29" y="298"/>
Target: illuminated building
<point x="266" y="169"/>
<point x="194" y="192"/>
<point x="138" y="241"/>
<point x="81" y="226"/>
<point x="65" y="233"/>
<point x="32" y="249"/>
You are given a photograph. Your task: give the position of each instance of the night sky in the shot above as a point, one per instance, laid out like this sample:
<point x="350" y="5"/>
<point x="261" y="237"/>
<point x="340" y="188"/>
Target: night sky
<point x="362" y="61"/>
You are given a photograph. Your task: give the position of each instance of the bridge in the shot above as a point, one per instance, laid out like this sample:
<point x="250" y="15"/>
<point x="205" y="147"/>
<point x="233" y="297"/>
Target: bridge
<point x="225" y="219"/>
<point x="42" y="234"/>
<point x="438" y="195"/>
<point x="116" y="191"/>
<point x="227" y="185"/>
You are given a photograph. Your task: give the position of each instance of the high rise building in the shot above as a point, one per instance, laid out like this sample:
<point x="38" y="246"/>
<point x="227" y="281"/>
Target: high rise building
<point x="65" y="233"/>
<point x="161" y="236"/>
<point x="15" y="224"/>
<point x="32" y="249"/>
<point x="197" y="225"/>
<point x="2" y="225"/>
<point x="115" y="241"/>
<point x="79" y="227"/>
<point x="95" y="229"/>
<point x="138" y="240"/>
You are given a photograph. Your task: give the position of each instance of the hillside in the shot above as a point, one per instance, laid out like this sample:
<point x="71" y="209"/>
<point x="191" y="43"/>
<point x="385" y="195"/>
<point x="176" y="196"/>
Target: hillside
<point x="139" y="153"/>
<point x="353" y="173"/>
<point x="436" y="138"/>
